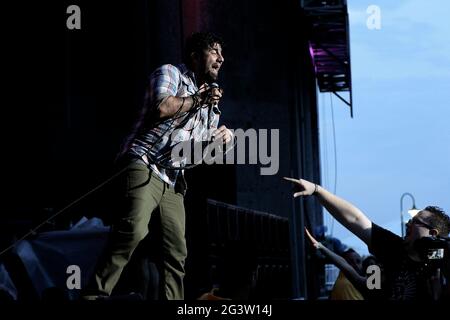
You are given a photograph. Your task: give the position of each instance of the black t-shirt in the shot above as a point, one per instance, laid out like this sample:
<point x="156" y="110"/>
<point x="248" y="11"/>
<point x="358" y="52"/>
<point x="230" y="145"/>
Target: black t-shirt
<point x="405" y="279"/>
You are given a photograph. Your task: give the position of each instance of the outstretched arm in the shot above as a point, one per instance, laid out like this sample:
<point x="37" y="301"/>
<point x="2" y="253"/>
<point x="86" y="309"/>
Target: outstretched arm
<point x="352" y="275"/>
<point x="346" y="213"/>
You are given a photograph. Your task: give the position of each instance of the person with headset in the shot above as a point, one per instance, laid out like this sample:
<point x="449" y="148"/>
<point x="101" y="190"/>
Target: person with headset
<point x="181" y="105"/>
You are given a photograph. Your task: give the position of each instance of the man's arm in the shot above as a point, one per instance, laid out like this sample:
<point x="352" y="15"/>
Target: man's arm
<point x="171" y="105"/>
<point x="346" y="213"/>
<point x="163" y="89"/>
<point x="352" y="275"/>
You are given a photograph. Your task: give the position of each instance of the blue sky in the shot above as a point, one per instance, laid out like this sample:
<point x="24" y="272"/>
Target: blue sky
<point x="399" y="138"/>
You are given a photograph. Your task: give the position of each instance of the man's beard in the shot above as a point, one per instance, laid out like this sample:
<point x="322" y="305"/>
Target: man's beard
<point x="210" y="77"/>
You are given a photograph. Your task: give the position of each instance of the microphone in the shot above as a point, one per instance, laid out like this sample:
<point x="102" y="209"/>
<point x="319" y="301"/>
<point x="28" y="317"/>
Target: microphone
<point x="213" y="85"/>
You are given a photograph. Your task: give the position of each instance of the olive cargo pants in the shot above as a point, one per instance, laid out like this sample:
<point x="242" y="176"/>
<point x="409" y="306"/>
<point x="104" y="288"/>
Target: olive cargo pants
<point x="143" y="191"/>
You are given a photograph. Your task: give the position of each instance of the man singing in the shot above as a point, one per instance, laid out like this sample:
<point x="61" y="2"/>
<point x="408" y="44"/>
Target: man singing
<point x="181" y="106"/>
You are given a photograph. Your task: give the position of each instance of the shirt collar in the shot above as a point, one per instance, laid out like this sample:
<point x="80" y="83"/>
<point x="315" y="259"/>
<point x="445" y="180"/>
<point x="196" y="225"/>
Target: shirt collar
<point x="185" y="71"/>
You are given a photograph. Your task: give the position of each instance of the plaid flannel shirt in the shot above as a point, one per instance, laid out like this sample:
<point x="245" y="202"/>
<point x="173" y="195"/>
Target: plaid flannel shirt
<point x="169" y="80"/>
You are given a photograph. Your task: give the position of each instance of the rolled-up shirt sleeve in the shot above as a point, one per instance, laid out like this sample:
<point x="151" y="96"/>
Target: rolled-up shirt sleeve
<point x="164" y="82"/>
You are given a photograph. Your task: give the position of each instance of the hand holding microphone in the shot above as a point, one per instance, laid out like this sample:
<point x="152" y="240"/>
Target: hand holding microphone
<point x="209" y="95"/>
<point x="216" y="93"/>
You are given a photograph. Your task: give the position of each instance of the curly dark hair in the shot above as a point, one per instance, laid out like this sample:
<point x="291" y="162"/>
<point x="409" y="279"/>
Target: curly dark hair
<point x="198" y="42"/>
<point x="439" y="220"/>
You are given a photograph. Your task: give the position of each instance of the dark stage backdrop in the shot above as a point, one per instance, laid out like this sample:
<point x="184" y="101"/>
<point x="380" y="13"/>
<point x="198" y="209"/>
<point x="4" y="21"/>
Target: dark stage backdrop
<point x="71" y="97"/>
